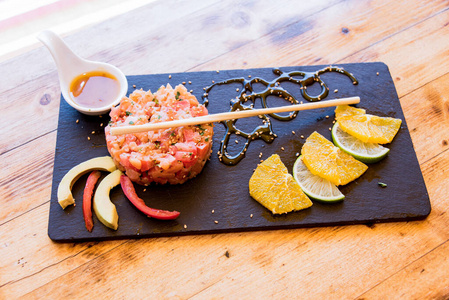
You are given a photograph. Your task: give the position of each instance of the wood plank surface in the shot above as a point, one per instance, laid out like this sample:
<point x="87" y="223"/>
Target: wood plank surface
<point x="406" y="260"/>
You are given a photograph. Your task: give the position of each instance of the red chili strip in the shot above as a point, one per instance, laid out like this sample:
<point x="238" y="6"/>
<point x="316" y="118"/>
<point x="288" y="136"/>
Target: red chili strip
<point x="130" y="192"/>
<point x="87" y="199"/>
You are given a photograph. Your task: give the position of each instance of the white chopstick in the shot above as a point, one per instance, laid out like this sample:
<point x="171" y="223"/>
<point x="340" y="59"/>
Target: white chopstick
<point x="231" y="116"/>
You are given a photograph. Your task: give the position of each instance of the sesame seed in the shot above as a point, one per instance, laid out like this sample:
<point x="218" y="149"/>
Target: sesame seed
<point x="218" y="71"/>
<point x="297" y="154"/>
<point x="88" y="138"/>
<point x="184" y="82"/>
<point x="237" y="90"/>
<point x="213" y="210"/>
<point x="169" y="76"/>
<point x="101" y="125"/>
<point x="185" y="226"/>
<point x="144" y="190"/>
<point x="213" y="81"/>
<point x="293" y="131"/>
<point x="191" y="91"/>
<point x="93" y="132"/>
<point x="77" y="121"/>
<point x="330" y="129"/>
<point x="377" y="73"/>
<point x="190" y="82"/>
<point x="249" y="76"/>
<point x="216" y="222"/>
<point x="302" y="136"/>
<point x="261" y="160"/>
<point x="251" y="215"/>
<point x="336" y="91"/>
<point x="282" y="148"/>
<point x="327" y="117"/>
<point x="236" y="141"/>
<point x="134" y="86"/>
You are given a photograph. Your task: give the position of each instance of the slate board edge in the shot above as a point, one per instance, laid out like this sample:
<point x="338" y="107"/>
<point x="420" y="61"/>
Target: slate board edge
<point x="369" y="223"/>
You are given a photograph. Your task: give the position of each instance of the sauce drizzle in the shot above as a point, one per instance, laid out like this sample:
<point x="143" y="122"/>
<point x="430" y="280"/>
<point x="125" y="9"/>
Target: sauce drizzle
<point x="272" y="88"/>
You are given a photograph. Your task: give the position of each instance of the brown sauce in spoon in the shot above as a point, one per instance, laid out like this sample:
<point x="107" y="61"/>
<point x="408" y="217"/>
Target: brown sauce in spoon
<point x="94" y="89"/>
<point x="272" y="88"/>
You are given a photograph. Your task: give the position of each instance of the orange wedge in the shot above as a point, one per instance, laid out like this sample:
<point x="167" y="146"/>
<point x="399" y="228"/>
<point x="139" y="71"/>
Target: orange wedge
<point x="367" y="128"/>
<point x="273" y="187"/>
<point x="324" y="159"/>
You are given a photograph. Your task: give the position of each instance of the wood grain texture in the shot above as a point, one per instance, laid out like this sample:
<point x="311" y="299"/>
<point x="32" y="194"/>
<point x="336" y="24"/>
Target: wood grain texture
<point x="395" y="261"/>
<point x="433" y="117"/>
<point x="26" y="180"/>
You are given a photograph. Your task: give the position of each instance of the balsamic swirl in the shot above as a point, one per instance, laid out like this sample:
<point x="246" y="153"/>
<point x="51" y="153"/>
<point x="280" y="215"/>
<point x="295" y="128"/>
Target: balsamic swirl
<point x="272" y="88"/>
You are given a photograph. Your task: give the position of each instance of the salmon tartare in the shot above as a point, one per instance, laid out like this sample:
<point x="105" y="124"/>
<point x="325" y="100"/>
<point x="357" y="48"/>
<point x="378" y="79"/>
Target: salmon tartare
<point x="162" y="156"/>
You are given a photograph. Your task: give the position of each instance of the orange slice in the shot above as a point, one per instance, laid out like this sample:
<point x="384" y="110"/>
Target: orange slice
<point x="273" y="187"/>
<point x="367" y="128"/>
<point x="324" y="159"/>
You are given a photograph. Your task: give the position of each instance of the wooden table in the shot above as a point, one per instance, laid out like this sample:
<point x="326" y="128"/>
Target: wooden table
<point x="404" y="260"/>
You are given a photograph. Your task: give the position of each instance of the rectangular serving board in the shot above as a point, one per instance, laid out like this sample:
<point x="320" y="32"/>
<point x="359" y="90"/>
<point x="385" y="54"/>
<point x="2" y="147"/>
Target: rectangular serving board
<point x="223" y="189"/>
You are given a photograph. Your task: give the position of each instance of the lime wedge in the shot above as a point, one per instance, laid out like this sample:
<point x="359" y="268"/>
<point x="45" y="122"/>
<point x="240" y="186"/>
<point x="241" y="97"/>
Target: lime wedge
<point x="365" y="152"/>
<point x="315" y="187"/>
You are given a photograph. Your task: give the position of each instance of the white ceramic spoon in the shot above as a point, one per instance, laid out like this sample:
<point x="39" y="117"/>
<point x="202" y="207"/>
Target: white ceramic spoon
<point x="70" y="66"/>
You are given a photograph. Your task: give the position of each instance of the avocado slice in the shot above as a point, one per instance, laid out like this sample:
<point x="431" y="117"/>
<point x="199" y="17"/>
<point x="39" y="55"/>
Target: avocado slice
<point x="65" y="197"/>
<point x="103" y="207"/>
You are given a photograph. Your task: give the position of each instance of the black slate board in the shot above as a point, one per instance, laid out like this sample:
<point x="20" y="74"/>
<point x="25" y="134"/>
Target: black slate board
<point x="224" y="189"/>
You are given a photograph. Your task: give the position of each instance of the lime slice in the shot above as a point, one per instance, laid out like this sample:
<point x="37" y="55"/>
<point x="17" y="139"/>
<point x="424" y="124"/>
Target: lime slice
<point x="314" y="186"/>
<point x="365" y="152"/>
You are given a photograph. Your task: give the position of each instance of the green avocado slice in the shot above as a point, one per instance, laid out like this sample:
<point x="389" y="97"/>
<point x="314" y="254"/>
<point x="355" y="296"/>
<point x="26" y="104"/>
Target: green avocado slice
<point x="104" y="209"/>
<point x="65" y="197"/>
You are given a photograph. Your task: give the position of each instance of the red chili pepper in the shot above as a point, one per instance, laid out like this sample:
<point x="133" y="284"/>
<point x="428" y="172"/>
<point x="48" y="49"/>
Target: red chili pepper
<point x="87" y="199"/>
<point x="130" y="192"/>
